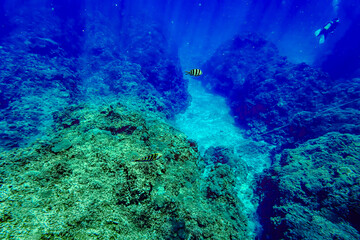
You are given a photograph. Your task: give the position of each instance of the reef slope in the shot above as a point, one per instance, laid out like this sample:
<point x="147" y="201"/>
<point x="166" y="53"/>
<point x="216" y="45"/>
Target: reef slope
<point x="83" y="184"/>
<point x="314" y="190"/>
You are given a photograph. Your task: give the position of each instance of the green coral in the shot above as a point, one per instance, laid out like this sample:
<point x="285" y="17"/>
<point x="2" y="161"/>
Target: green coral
<point x="315" y="189"/>
<point x="63" y="145"/>
<point x="90" y="189"/>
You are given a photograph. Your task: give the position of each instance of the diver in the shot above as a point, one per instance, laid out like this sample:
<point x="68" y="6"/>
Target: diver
<point x="328" y="28"/>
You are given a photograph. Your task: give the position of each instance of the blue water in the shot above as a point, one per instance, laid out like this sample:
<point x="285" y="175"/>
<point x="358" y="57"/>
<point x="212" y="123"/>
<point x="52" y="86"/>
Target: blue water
<point x="280" y="106"/>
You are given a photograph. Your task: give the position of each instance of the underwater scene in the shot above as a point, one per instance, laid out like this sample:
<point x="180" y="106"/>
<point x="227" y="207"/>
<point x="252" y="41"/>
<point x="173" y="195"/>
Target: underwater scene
<point x="180" y="119"/>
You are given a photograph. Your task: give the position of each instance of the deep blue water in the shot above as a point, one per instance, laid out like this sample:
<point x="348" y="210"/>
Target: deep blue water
<point x="271" y="96"/>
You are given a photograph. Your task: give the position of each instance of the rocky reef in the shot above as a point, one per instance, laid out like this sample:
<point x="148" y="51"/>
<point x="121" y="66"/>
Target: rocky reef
<point x="147" y="45"/>
<point x="85" y="92"/>
<point x="281" y="102"/>
<point x="313" y="191"/>
<point x="82" y="183"/>
<point x="33" y="83"/>
<point x="39" y="74"/>
<point x="137" y="61"/>
<point x="44" y="69"/>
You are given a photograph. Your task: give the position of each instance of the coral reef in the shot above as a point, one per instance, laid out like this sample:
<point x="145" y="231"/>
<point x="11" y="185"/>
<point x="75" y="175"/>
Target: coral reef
<point x="282" y="102"/>
<point x="43" y="70"/>
<point x="38" y="75"/>
<point x="83" y="184"/>
<point x="222" y="155"/>
<point x="147" y="45"/>
<point x="313" y="191"/>
<point x="217" y="156"/>
<point x="32" y="87"/>
<point x="140" y="58"/>
<point x="66" y="161"/>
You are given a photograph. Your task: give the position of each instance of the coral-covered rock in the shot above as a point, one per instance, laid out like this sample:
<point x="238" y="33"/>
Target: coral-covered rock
<point x="221" y="155"/>
<point x="41" y="72"/>
<point x="277" y="100"/>
<point x="220" y="188"/>
<point x="313" y="191"/>
<point x="62" y="145"/>
<point x="233" y="61"/>
<point x="33" y="86"/>
<point x="84" y="184"/>
<point x="145" y="44"/>
<point x="44" y="46"/>
<point x="38" y="74"/>
<point x="137" y="61"/>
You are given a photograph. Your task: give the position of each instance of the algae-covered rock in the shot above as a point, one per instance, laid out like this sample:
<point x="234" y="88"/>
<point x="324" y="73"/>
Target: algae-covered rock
<point x="276" y="100"/>
<point x="218" y="155"/>
<point x="37" y="75"/>
<point x="94" y="189"/>
<point x="313" y="192"/>
<point x="61" y="146"/>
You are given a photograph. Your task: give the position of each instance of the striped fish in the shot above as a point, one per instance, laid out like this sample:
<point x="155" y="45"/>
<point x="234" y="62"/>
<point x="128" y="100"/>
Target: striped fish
<point x="194" y="72"/>
<point x="149" y="158"/>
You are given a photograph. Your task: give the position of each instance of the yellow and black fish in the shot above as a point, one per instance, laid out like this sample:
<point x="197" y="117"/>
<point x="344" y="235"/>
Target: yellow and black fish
<point x="194" y="72"/>
<point x="149" y="158"/>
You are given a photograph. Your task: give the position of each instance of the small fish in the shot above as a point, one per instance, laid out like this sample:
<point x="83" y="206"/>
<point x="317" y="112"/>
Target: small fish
<point x="149" y="158"/>
<point x="194" y="72"/>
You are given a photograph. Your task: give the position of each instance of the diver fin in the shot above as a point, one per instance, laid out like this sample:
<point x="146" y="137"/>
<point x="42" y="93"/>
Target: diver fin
<point x="322" y="39"/>
<point x="317" y="32"/>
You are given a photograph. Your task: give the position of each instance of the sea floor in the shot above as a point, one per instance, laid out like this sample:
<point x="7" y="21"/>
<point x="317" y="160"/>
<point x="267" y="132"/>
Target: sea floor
<point x="208" y="122"/>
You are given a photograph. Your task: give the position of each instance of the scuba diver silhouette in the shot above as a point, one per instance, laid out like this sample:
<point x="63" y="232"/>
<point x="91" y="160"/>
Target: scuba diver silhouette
<point x="328" y="28"/>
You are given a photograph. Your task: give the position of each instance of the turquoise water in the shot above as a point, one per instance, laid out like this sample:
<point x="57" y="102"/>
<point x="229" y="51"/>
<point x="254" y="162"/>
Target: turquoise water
<point x="208" y="122"/>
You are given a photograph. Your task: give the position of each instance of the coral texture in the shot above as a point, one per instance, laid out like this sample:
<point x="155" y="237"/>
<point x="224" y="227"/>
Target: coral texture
<point x="313" y="191"/>
<point x="83" y="184"/>
<point x="282" y="102"/>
